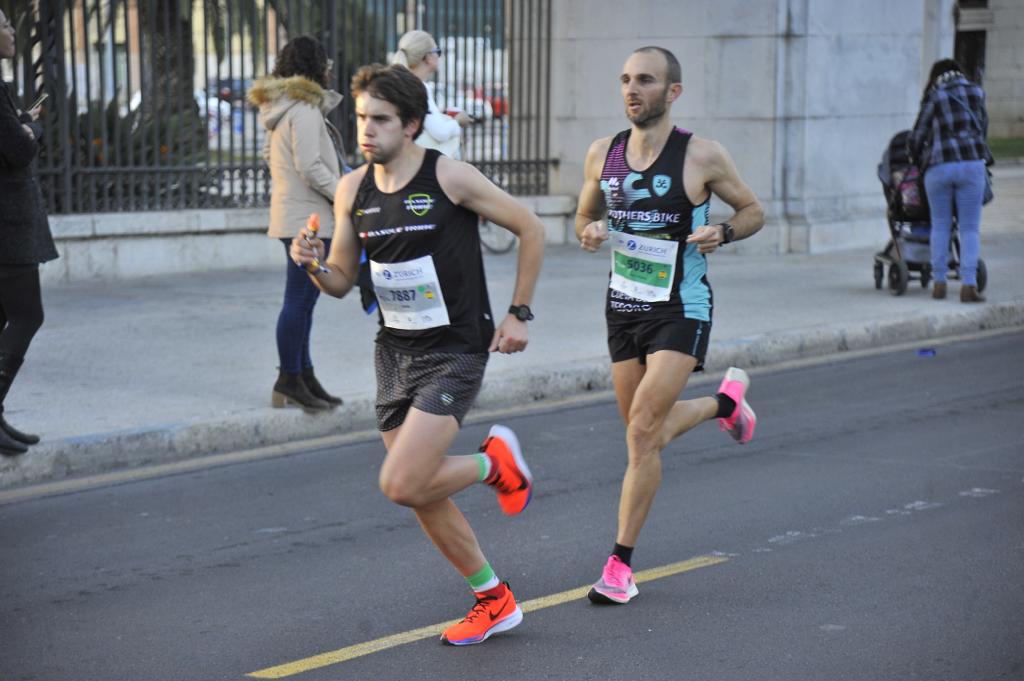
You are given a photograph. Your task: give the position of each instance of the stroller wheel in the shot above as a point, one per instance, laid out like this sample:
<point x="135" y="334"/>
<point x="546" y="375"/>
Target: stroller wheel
<point x="982" y="275"/>
<point x="899" y="277"/>
<point x="879" y="272"/>
<point x="926" y="276"/>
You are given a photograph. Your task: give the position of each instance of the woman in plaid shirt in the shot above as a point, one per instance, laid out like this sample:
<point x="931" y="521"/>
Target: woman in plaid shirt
<point x="948" y="142"/>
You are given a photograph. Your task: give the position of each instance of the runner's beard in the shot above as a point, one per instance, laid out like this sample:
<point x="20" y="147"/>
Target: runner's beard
<point x="651" y="115"/>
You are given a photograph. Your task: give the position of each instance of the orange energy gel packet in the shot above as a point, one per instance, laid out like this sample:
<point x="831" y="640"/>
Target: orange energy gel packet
<point x="313" y="225"/>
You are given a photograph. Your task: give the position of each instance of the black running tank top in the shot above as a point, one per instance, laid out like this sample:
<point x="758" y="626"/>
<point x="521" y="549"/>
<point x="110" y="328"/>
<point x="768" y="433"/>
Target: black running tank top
<point x="649" y="217"/>
<point x="420" y="245"/>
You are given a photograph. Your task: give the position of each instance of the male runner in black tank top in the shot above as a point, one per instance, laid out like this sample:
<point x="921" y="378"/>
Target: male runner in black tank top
<point x="652" y="183"/>
<point x="416" y="214"/>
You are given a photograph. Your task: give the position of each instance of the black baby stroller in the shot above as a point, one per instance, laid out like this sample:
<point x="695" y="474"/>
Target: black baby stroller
<point x="908" y="253"/>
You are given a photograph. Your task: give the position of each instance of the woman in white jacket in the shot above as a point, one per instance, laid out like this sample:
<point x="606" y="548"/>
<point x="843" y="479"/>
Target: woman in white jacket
<point x="418" y="51"/>
<point x="306" y="161"/>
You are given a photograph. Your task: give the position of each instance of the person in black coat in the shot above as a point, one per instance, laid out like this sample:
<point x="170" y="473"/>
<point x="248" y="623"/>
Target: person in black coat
<point x="25" y="241"/>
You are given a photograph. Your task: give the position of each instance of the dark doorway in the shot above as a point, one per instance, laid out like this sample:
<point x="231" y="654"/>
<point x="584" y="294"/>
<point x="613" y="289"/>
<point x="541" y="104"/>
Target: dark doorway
<point x="969" y="52"/>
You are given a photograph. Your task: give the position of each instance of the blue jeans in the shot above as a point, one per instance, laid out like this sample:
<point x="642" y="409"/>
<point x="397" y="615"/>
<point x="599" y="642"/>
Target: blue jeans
<point x="295" y="322"/>
<point x="962" y="182"/>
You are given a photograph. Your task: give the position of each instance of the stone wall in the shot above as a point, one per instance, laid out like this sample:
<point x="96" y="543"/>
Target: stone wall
<point x="1004" y="76"/>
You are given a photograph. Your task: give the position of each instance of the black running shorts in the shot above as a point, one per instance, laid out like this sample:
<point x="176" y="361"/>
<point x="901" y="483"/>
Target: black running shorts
<point x="638" y="338"/>
<point x="441" y="383"/>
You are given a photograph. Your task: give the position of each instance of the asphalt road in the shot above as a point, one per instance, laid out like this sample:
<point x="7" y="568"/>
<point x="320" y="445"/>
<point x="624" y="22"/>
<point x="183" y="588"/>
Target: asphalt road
<point x="874" y="529"/>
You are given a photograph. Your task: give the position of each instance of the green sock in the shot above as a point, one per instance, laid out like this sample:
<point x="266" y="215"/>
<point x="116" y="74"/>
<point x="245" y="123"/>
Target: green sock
<point x="483" y="580"/>
<point x="483" y="463"/>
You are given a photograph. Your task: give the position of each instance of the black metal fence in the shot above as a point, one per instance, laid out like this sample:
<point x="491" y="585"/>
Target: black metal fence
<point x="147" y="107"/>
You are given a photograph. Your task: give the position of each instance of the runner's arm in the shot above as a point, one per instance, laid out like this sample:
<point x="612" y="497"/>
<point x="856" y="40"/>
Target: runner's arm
<point x="343" y="261"/>
<point x="590" y="208"/>
<point x="723" y="179"/>
<point x="467" y="187"/>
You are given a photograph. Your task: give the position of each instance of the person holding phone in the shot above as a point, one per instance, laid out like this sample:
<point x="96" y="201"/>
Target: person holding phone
<point x="25" y="241"/>
<point x="38" y="104"/>
<point x="418" y="52"/>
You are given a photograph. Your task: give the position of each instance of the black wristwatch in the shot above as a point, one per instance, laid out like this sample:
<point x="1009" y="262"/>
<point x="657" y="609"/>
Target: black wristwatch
<point x="727" y="233"/>
<point x="522" y="312"/>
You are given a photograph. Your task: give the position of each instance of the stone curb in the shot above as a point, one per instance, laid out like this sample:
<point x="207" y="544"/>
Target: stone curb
<point x="102" y="452"/>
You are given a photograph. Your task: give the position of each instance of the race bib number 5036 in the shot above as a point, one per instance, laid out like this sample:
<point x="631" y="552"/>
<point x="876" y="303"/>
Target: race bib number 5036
<point x="643" y="267"/>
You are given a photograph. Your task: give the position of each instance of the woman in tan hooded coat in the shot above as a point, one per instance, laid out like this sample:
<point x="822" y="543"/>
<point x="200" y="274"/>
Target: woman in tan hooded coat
<point x="306" y="161"/>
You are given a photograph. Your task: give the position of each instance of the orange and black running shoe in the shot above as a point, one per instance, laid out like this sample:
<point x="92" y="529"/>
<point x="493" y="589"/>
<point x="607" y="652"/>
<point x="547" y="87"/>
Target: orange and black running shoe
<point x="510" y="476"/>
<point x="490" y="615"/>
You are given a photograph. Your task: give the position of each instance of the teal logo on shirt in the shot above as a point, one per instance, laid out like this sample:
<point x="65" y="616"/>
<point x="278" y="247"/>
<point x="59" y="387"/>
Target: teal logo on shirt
<point x="661" y="184"/>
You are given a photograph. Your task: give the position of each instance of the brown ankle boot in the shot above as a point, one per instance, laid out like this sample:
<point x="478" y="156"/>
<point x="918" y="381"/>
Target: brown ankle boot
<point x="969" y="294"/>
<point x="939" y="290"/>
<point x="290" y="389"/>
<point x="309" y="378"/>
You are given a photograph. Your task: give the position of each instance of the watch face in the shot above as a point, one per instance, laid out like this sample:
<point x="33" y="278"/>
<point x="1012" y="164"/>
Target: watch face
<point x="522" y="312"/>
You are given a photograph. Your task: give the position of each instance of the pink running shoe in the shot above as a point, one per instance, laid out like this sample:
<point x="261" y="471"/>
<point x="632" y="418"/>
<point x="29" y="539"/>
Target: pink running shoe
<point x="743" y="420"/>
<point x="616" y="584"/>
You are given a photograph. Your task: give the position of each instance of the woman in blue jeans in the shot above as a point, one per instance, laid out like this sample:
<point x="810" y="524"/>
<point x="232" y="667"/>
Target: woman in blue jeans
<point x="948" y="140"/>
<point x="306" y="161"/>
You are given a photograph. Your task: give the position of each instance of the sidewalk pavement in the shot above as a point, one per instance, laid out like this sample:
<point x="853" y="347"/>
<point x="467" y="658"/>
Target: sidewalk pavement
<point x="165" y="368"/>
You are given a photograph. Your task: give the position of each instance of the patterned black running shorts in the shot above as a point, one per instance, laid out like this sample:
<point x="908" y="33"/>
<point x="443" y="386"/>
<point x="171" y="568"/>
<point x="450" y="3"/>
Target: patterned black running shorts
<point x="639" y="338"/>
<point x="441" y="383"/>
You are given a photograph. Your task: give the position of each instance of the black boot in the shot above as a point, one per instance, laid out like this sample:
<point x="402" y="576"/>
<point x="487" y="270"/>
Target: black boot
<point x="318" y="390"/>
<point x="26" y="438"/>
<point x="9" y="445"/>
<point x="291" y="389"/>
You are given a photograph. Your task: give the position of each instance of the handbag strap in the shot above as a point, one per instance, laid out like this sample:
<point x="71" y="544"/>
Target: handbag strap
<point x="967" y="108"/>
<point x="977" y="125"/>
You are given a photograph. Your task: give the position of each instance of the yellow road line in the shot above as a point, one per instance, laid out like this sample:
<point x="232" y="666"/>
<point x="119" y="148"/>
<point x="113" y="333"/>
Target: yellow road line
<point x="377" y="645"/>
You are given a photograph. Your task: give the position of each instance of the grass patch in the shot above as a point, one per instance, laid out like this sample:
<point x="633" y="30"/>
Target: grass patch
<point x="1007" y="147"/>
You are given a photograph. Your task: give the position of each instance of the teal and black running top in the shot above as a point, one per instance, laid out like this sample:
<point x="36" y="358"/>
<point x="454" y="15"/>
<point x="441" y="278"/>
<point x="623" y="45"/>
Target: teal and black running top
<point x="653" y="205"/>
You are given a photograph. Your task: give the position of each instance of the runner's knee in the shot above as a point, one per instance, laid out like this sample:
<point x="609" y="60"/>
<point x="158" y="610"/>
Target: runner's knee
<point x="644" y="434"/>
<point x="401" y="489"/>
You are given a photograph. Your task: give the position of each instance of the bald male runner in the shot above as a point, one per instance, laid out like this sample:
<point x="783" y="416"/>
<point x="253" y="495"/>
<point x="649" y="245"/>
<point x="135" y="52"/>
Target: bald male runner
<point x="647" y="191"/>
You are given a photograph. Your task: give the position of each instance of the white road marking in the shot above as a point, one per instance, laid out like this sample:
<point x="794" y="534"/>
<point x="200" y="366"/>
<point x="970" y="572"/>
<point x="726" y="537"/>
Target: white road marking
<point x="978" y="492"/>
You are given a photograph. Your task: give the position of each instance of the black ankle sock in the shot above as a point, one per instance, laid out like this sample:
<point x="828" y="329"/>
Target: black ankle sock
<point x="625" y="553"/>
<point x="726" y="406"/>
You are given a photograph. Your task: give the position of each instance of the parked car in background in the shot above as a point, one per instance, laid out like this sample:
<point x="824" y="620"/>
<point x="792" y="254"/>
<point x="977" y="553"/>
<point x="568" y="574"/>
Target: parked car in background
<point x="212" y="106"/>
<point x="494" y="95"/>
<point x="231" y="89"/>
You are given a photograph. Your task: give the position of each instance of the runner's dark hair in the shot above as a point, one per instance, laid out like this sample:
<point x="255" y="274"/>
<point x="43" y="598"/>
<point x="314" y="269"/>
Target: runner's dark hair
<point x="396" y="85"/>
